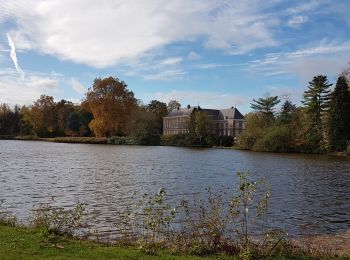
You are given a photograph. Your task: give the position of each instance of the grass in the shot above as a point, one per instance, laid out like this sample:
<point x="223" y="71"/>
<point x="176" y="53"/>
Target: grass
<point x="28" y="243"/>
<point x="25" y="243"/>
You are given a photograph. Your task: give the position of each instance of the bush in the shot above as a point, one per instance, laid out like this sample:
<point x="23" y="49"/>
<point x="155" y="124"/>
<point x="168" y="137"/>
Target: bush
<point x="348" y="150"/>
<point x="123" y="140"/>
<point x="278" y="139"/>
<point x="176" y="140"/>
<point x="131" y="140"/>
<point x="59" y="221"/>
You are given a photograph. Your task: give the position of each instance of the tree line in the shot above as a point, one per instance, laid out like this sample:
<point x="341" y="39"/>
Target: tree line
<point x="321" y="124"/>
<point x="108" y="109"/>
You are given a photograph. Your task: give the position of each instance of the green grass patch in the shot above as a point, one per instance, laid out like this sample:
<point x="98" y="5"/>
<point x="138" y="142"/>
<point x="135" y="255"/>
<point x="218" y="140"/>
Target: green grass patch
<point x="25" y="243"/>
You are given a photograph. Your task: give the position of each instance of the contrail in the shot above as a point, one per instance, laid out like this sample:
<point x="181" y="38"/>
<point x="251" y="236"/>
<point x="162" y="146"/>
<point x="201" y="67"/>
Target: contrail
<point x="13" y="56"/>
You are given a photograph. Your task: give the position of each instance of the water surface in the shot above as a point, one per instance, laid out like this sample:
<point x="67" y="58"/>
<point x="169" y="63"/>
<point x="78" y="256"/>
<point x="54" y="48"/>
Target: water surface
<point x="307" y="189"/>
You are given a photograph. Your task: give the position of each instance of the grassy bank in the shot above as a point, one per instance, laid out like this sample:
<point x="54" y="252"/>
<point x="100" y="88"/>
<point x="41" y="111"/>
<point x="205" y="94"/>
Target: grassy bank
<point x="25" y="243"/>
<point x="28" y="243"/>
<point x="85" y="140"/>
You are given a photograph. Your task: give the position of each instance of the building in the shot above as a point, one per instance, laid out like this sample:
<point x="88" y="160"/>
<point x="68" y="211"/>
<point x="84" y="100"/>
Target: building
<point x="229" y="122"/>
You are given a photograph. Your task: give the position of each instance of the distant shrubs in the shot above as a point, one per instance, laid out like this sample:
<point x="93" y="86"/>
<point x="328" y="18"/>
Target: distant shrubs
<point x="86" y="140"/>
<point x="187" y="140"/>
<point x="131" y="140"/>
<point x="278" y="139"/>
<point x="176" y="140"/>
<point x="276" y="134"/>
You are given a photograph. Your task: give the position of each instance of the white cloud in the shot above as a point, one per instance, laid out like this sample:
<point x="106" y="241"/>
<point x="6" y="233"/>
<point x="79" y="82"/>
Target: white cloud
<point x="305" y="7"/>
<point x="14" y="90"/>
<point x="323" y="58"/>
<point x="322" y="48"/>
<point x="205" y="99"/>
<point x="211" y="65"/>
<point x="13" y="56"/>
<point x="193" y="56"/>
<point x="165" y="75"/>
<point x="102" y="34"/>
<point x="297" y="20"/>
<point x="171" y="61"/>
<point x="77" y="86"/>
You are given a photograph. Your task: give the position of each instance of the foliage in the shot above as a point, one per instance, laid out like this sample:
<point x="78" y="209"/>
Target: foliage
<point x="256" y="127"/>
<point x="55" y="220"/>
<point x="143" y="124"/>
<point x="9" y="120"/>
<point x="339" y="115"/>
<point x="266" y="105"/>
<point x="111" y="103"/>
<point x="220" y="222"/>
<point x="177" y="140"/>
<point x="287" y="110"/>
<point x="6" y="217"/>
<point x="277" y="139"/>
<point x="130" y="140"/>
<point x="172" y="105"/>
<point x="159" y="110"/>
<point x="199" y="126"/>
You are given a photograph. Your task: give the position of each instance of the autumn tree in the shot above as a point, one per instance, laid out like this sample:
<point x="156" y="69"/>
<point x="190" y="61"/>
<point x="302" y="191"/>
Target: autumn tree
<point x="339" y="115"/>
<point x="111" y="104"/>
<point x="63" y="109"/>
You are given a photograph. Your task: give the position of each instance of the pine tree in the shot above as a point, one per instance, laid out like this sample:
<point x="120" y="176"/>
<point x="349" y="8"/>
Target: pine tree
<point x="316" y="102"/>
<point x="287" y="109"/>
<point x="316" y="99"/>
<point x="339" y="115"/>
<point x="265" y="105"/>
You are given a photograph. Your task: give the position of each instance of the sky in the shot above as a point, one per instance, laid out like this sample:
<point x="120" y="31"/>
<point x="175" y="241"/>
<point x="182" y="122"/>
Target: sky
<point x="215" y="53"/>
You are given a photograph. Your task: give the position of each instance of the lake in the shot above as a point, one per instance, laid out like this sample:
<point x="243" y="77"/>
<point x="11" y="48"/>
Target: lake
<point x="306" y="189"/>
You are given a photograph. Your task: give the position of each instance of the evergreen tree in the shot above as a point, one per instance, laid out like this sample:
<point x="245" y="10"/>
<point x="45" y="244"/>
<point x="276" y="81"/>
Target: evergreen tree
<point x="265" y="105"/>
<point x="287" y="109"/>
<point x="316" y="99"/>
<point x="316" y="102"/>
<point x="339" y="115"/>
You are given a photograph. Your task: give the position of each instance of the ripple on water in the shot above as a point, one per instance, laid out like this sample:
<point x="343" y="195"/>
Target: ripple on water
<point x="306" y="189"/>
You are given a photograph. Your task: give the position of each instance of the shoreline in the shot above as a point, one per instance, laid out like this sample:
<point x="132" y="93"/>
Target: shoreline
<point x="22" y="242"/>
<point x="105" y="140"/>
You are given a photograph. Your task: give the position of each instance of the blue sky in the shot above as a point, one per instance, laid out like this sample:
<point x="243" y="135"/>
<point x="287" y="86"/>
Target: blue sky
<point x="214" y="53"/>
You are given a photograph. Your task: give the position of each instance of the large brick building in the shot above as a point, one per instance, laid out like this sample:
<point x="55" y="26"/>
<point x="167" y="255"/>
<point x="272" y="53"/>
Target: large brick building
<point x="229" y="122"/>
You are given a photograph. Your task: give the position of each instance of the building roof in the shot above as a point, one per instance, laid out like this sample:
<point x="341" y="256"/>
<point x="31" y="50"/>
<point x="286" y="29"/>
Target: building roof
<point x="230" y="113"/>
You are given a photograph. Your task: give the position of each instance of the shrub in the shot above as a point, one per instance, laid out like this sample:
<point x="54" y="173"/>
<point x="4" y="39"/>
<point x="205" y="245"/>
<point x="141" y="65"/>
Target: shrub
<point x="6" y="216"/>
<point x="278" y="139"/>
<point x="55" y="220"/>
<point x="132" y="140"/>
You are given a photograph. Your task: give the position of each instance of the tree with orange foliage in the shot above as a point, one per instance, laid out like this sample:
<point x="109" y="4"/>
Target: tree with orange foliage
<point x="111" y="104"/>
